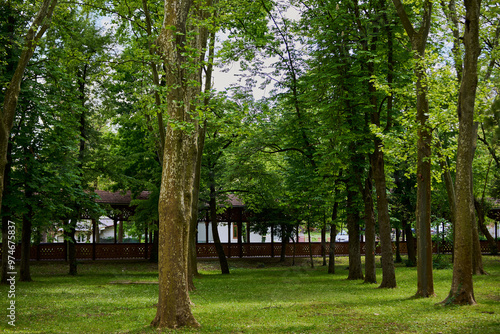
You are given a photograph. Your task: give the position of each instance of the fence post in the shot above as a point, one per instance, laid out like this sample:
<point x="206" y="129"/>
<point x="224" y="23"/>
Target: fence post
<point x="94" y="236"/>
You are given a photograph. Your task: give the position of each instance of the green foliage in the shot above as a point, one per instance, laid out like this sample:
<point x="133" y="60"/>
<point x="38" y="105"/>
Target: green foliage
<point x="441" y="262"/>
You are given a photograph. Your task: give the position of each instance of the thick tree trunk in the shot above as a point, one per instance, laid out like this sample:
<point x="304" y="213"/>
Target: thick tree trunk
<point x="355" y="271"/>
<point x="425" y="286"/>
<point x="370" y="266"/>
<point x="175" y="205"/>
<point x="423" y="212"/>
<point x="462" y="291"/>
<point x="384" y="223"/>
<point x="179" y="166"/>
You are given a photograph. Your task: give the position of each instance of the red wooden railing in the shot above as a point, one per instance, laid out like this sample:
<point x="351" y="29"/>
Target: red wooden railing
<point x="205" y="250"/>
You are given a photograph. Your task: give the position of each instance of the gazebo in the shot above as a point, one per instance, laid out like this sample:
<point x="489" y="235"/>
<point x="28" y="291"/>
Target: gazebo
<point x="119" y="210"/>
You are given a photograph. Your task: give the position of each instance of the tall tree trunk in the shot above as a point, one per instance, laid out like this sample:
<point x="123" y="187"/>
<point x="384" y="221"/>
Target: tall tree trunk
<point x="450" y="191"/>
<point x="331" y="251"/>
<point x="193" y="256"/>
<point x="398" y="251"/>
<point x="477" y="255"/>
<point x="285" y="236"/>
<point x="418" y="40"/>
<point x="377" y="158"/>
<point x="355" y="271"/>
<point x="224" y="267"/>
<point x="69" y="236"/>
<point x="462" y="291"/>
<point x="410" y="245"/>
<point x="384" y="223"/>
<point x="120" y="230"/>
<point x="333" y="235"/>
<point x="310" y="244"/>
<point x="175" y="205"/>
<point x="323" y="243"/>
<point x="370" y="266"/>
<point x="179" y="162"/>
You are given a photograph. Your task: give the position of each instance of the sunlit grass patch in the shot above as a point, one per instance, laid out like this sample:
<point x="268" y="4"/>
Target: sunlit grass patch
<point x="261" y="296"/>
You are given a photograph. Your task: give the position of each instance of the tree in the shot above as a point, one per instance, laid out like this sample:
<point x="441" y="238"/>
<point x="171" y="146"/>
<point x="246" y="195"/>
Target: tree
<point x="418" y="41"/>
<point x="462" y="291"/>
<point x="40" y="24"/>
<point x="180" y="44"/>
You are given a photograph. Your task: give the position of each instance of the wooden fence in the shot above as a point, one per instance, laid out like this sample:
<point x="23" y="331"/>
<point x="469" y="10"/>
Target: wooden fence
<point x="103" y="251"/>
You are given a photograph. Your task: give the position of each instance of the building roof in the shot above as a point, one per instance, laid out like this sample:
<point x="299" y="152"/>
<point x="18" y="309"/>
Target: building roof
<point x="119" y="198"/>
<point x="124" y="198"/>
<point x="235" y="201"/>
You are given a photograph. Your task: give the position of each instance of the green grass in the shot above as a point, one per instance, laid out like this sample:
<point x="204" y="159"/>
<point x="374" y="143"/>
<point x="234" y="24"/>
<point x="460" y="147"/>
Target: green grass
<point x="259" y="296"/>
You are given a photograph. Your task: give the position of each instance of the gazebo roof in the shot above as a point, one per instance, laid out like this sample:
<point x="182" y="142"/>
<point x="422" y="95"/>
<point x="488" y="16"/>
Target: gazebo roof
<point x="119" y="198"/>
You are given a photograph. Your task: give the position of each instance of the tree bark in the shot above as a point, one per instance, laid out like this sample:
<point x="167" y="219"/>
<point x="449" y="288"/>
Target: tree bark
<point x="398" y="251"/>
<point x="193" y="256"/>
<point x="179" y="165"/>
<point x="285" y="236"/>
<point x="323" y="244"/>
<point x="333" y="235"/>
<point x="331" y="251"/>
<point x="410" y="245"/>
<point x="462" y="291"/>
<point x="384" y="223"/>
<point x="370" y="266"/>
<point x="69" y="236"/>
<point x="310" y="244"/>
<point x="423" y="211"/>
<point x="224" y="267"/>
<point x="355" y="271"/>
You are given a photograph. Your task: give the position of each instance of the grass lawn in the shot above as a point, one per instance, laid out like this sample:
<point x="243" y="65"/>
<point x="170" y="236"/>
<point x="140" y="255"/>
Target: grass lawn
<point x="259" y="296"/>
